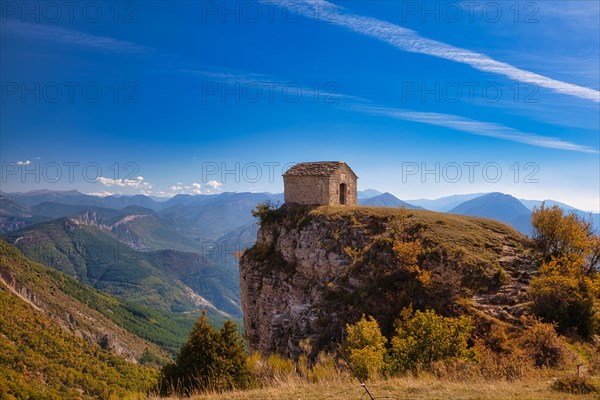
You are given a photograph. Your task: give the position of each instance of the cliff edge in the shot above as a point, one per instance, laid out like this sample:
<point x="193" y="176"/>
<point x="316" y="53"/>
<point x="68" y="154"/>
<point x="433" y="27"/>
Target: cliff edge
<point x="314" y="269"/>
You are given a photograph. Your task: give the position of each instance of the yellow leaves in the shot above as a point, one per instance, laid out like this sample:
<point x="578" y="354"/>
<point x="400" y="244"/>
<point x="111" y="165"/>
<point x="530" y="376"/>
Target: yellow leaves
<point x="564" y="293"/>
<point x="559" y="234"/>
<point x="408" y="253"/>
<point x="354" y="254"/>
<point x="563" y="265"/>
<point x="424" y="337"/>
<point x="421" y="338"/>
<point x="568" y="281"/>
<point x="364" y="333"/>
<point x="366" y="347"/>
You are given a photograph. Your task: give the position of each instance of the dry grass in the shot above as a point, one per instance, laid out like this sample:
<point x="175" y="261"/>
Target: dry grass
<point x="484" y="237"/>
<point x="424" y="387"/>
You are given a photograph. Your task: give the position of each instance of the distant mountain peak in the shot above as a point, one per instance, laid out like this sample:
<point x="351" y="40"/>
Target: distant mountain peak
<point x="386" y="200"/>
<point x="368" y="193"/>
<point x="499" y="206"/>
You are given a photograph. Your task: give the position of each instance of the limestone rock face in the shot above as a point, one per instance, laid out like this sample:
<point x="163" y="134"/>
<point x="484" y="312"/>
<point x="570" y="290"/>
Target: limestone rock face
<point x="282" y="295"/>
<point x="312" y="271"/>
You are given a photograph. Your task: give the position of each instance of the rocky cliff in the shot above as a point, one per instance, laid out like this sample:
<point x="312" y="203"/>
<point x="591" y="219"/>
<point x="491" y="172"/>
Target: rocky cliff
<point x="312" y="270"/>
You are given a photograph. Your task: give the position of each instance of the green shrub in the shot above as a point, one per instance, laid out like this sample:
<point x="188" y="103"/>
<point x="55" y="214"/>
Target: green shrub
<point x="365" y="346"/>
<point x="563" y="295"/>
<point x="568" y="282"/>
<point x="424" y="337"/>
<point x="209" y="360"/>
<point x="266" y="212"/>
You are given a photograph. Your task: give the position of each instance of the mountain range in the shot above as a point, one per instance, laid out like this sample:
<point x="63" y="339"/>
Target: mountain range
<point x="130" y="274"/>
<point x="147" y="267"/>
<point x="195" y="222"/>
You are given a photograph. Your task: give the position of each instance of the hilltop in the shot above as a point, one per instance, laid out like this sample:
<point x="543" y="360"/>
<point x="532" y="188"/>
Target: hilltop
<point x="313" y="270"/>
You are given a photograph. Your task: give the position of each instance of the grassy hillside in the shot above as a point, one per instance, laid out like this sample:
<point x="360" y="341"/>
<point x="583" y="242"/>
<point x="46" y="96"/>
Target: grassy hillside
<point x="40" y="360"/>
<point x="84" y="309"/>
<point x="479" y="235"/>
<point x="464" y="256"/>
<point x="481" y="246"/>
<point x="315" y="270"/>
<point x="96" y="257"/>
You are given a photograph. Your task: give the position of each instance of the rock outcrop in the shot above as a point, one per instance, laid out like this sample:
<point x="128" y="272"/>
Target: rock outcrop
<point x="312" y="270"/>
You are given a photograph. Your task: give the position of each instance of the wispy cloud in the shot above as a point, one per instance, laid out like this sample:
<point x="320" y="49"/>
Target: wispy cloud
<point x="272" y="84"/>
<point x="63" y="35"/>
<point x="409" y="40"/>
<point x="445" y="120"/>
<point x="474" y="127"/>
<point x="228" y="76"/>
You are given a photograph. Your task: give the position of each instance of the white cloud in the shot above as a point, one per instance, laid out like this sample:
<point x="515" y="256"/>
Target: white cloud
<point x="474" y="127"/>
<point x="20" y="163"/>
<point x="215" y="185"/>
<point x="123" y="182"/>
<point x="197" y="188"/>
<point x="409" y="40"/>
<point x="101" y="194"/>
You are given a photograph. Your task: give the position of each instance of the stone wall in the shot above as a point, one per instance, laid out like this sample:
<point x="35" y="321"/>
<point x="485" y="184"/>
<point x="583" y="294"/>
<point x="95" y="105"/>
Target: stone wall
<point x="306" y="189"/>
<point x="323" y="190"/>
<point x="343" y="176"/>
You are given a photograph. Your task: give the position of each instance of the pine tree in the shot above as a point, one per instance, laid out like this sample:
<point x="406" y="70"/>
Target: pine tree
<point x="210" y="359"/>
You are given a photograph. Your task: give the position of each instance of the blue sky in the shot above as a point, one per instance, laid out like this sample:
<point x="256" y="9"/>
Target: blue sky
<point x="422" y="99"/>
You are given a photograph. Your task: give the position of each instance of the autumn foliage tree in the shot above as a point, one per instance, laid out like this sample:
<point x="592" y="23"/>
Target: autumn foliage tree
<point x="365" y="346"/>
<point x="568" y="283"/>
<point x="423" y="337"/>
